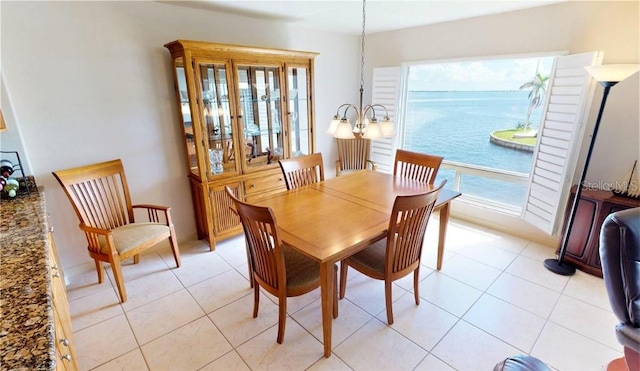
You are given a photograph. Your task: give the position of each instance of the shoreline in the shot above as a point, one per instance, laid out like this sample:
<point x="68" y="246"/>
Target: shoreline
<point x="510" y="144"/>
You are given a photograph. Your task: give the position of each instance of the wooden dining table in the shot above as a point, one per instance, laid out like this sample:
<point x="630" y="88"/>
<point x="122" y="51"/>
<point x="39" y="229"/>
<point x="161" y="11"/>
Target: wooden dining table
<point x="333" y="219"/>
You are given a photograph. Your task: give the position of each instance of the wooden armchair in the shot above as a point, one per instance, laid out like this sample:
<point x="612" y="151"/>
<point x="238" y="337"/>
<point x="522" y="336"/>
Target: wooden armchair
<point x="417" y="166"/>
<point x="100" y="197"/>
<point x="399" y="253"/>
<point x="274" y="266"/>
<point x="302" y="170"/>
<point x="353" y="155"/>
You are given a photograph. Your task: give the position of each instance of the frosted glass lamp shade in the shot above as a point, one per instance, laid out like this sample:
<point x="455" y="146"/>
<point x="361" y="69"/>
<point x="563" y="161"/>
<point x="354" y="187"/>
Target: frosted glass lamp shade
<point x="387" y="128"/>
<point x="373" y="131"/>
<point x="344" y="130"/>
<point x="612" y="72"/>
<point x="333" y="126"/>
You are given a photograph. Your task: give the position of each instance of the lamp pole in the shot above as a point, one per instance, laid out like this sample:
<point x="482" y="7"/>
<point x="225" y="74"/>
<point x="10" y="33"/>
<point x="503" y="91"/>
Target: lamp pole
<point x="558" y="265"/>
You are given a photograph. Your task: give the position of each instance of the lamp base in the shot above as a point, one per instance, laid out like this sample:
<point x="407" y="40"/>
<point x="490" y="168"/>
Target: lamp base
<point x="564" y="269"/>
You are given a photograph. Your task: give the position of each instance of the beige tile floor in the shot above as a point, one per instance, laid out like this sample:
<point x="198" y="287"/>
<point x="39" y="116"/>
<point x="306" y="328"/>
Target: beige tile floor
<point x="493" y="298"/>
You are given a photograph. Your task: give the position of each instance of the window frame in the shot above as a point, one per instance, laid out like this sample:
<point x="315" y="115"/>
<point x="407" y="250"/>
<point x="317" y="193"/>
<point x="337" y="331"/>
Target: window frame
<point x="383" y="151"/>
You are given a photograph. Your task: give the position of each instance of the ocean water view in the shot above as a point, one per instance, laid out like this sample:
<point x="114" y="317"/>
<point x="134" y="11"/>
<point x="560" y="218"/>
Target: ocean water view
<point x="457" y="125"/>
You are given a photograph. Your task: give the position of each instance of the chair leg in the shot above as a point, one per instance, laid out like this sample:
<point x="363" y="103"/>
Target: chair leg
<point x="136" y="259"/>
<point x="282" y="318"/>
<point x="335" y="291"/>
<point x="117" y="275"/>
<point x="173" y="241"/>
<point x="416" y="281"/>
<point x="99" y="270"/>
<point x="256" y="299"/>
<point x="632" y="359"/>
<point x="343" y="278"/>
<point x="249" y="265"/>
<point x="387" y="296"/>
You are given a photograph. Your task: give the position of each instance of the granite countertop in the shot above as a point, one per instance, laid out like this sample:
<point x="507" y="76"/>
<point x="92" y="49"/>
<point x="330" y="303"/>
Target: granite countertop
<point x="27" y="333"/>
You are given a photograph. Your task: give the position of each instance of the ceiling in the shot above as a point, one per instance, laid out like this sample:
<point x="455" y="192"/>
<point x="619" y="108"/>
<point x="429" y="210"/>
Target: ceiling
<point x="346" y="16"/>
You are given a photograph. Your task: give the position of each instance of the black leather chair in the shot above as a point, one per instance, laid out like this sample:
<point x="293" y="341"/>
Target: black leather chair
<point x="620" y="257"/>
<point x="521" y="362"/>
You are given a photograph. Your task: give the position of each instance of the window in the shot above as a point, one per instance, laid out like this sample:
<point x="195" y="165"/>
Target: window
<point x="453" y="108"/>
<point x="544" y="176"/>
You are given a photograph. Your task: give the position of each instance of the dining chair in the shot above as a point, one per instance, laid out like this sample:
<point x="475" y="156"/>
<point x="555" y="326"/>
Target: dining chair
<point x="417" y="166"/>
<point x="303" y="170"/>
<point x="353" y="155"/>
<point x="100" y="197"/>
<point x="620" y="257"/>
<point x="398" y="253"/>
<point x="276" y="267"/>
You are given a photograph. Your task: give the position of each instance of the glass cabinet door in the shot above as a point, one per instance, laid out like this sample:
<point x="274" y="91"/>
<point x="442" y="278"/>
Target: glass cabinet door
<point x="185" y="110"/>
<point x="216" y="118"/>
<point x="298" y="111"/>
<point x="261" y="115"/>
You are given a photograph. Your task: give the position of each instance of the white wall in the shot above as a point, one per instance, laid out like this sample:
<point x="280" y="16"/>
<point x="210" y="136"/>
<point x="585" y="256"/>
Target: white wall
<point x="91" y="81"/>
<point x="11" y="139"/>
<point x="576" y="26"/>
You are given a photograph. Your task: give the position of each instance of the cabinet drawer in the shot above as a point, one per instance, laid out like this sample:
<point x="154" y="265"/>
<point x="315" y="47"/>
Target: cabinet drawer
<point x="65" y="351"/>
<point x="65" y="356"/>
<point x="265" y="183"/>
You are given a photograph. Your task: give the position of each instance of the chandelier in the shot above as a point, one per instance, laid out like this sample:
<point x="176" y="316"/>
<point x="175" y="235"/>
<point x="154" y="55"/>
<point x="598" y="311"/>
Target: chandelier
<point x="365" y="127"/>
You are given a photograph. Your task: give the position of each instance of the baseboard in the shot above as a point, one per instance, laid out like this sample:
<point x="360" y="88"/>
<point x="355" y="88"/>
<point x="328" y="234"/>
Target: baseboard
<point x="507" y="221"/>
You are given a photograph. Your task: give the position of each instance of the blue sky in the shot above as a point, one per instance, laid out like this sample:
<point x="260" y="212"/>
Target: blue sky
<point x="479" y="75"/>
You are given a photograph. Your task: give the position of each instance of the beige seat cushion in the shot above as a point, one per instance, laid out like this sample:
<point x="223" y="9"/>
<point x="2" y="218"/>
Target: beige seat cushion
<point x="349" y="171"/>
<point x="132" y="235"/>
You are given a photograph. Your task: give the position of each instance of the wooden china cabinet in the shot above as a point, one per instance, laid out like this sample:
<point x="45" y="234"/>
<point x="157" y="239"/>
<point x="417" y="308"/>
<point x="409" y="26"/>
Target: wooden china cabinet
<point x="242" y="109"/>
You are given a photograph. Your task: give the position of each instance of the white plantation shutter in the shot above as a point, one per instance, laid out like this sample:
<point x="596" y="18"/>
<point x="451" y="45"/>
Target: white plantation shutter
<point x="570" y="91"/>
<point x="385" y="91"/>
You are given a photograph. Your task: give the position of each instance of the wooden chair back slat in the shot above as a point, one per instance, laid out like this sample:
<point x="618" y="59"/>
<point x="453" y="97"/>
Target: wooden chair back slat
<point x="111" y="194"/>
<point x="353" y="154"/>
<point x="303" y="170"/>
<point x="264" y="243"/>
<point x="225" y="218"/>
<point x="407" y="228"/>
<point x="101" y="200"/>
<point x="418" y="166"/>
<point x="263" y="251"/>
<point x="99" y="194"/>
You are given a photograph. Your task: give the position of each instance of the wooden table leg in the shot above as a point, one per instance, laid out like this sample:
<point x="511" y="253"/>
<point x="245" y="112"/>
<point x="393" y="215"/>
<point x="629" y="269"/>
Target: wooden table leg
<point x="326" y="292"/>
<point x="444" y="220"/>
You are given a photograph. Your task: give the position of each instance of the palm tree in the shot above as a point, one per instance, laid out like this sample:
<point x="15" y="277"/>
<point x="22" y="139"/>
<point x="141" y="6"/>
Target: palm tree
<point x="538" y="86"/>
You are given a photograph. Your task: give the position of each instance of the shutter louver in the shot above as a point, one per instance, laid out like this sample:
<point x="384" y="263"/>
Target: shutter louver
<point x="559" y="136"/>
<point x="385" y="89"/>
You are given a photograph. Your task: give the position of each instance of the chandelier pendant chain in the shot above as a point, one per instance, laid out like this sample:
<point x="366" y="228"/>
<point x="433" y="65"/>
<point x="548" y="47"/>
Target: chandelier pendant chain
<point x="340" y="126"/>
<point x="364" y="21"/>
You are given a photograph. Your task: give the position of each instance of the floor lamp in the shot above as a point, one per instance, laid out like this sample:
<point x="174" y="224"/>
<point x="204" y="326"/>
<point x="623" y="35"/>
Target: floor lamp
<point x="607" y="76"/>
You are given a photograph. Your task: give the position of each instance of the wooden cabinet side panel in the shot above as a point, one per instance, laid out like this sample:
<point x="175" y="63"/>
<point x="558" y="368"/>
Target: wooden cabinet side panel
<point x="62" y="318"/>
<point x="64" y="343"/>
<point x="203" y="221"/>
<point x="225" y="218"/>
